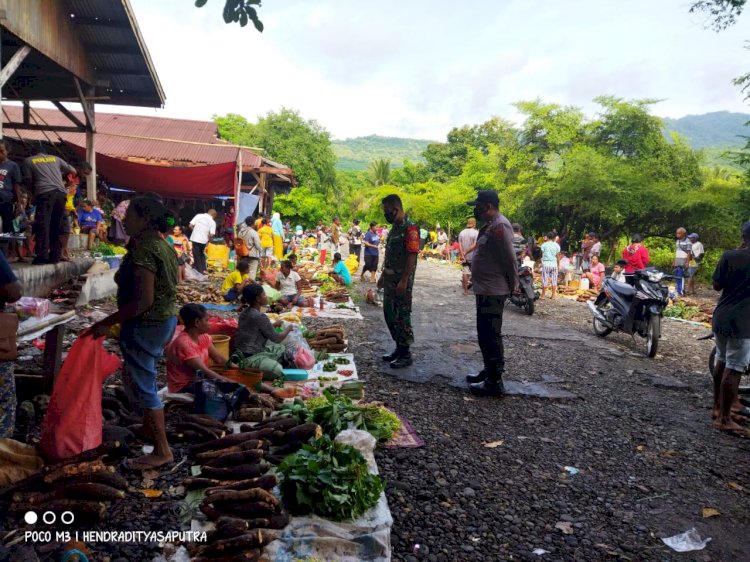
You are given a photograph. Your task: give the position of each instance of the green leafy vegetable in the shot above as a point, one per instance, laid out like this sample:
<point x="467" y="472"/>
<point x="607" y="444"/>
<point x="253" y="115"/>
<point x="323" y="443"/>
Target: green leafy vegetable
<point x="329" y="479"/>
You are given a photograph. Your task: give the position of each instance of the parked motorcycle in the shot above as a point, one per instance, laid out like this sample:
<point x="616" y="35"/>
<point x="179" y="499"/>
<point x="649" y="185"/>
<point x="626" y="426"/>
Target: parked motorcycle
<point x="526" y="297"/>
<point x="632" y="309"/>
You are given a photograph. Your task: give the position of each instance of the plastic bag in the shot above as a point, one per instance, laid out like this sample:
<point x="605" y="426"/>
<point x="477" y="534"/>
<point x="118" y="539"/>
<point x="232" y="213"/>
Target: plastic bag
<point x="687" y="541"/>
<point x="272" y="294"/>
<point x="304" y="359"/>
<point x="268" y="276"/>
<point x="192" y="274"/>
<point x="73" y="422"/>
<point x="224" y="326"/>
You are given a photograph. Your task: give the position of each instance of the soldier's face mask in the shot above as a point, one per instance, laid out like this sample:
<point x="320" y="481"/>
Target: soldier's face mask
<point x="390" y="215"/>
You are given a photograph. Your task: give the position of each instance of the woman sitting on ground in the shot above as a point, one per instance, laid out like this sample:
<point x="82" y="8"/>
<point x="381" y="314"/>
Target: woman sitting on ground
<point x="256" y="337"/>
<point x="289" y="283"/>
<point x="596" y="272"/>
<point x="340" y="272"/>
<point x="193" y="350"/>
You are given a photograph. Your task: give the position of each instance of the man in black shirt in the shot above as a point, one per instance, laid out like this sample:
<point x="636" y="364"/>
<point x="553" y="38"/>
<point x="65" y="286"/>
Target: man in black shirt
<point x="10" y="178"/>
<point x="731" y="326"/>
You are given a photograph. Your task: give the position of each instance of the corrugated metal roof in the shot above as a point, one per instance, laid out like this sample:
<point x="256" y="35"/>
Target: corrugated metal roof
<point x="156" y="140"/>
<point x="98" y="41"/>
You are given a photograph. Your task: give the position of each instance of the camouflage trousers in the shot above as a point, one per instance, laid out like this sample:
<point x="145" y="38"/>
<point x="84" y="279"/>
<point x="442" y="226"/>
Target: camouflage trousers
<point x="397" y="313"/>
<point x="7" y="399"/>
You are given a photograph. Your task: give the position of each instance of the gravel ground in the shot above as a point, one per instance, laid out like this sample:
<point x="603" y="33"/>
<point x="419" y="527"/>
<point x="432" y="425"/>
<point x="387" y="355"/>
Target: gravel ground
<point x="639" y="435"/>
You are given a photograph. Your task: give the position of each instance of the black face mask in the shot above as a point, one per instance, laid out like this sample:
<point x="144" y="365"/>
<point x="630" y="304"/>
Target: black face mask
<point x="391" y="217"/>
<point x="477" y="214"/>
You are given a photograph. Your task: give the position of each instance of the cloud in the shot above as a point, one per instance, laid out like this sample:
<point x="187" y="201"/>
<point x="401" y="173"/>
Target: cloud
<point x="421" y="67"/>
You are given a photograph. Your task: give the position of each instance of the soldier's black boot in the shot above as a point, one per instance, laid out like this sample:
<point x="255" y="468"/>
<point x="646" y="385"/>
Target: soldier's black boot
<point x="481" y="376"/>
<point x="404" y="359"/>
<point x="392" y="356"/>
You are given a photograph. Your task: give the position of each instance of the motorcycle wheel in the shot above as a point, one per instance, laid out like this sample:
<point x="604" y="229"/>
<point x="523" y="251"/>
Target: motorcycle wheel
<point x="600" y="329"/>
<point x="652" y="335"/>
<point x="529" y="307"/>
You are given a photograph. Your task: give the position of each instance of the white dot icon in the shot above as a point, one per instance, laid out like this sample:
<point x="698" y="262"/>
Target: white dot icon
<point x="30" y="517"/>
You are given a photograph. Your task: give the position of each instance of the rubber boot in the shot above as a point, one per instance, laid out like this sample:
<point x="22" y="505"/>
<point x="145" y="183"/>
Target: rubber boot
<point x="481" y="376"/>
<point x="393" y="355"/>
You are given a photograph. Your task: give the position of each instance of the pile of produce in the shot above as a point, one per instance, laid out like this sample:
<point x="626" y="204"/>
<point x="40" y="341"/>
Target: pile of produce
<point x="332" y="338"/>
<point x="83" y="484"/>
<point x="329" y="479"/>
<point x="199" y="293"/>
<point x="582" y="295"/>
<point x="108" y="249"/>
<point x="688" y="309"/>
<point x="336" y="295"/>
<point x="335" y="412"/>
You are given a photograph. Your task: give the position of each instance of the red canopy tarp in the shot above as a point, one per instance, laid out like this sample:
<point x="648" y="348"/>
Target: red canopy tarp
<point x="195" y="181"/>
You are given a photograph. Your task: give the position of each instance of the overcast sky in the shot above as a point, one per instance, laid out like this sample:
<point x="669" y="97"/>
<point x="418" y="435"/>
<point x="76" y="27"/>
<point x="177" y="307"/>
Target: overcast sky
<point x="417" y="68"/>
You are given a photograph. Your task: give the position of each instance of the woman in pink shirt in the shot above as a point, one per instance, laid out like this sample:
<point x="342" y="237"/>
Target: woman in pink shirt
<point x="596" y="273"/>
<point x="191" y="350"/>
<point x="635" y="254"/>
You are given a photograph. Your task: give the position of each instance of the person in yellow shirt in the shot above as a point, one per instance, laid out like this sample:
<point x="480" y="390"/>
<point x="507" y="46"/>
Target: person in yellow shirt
<point x="266" y="244"/>
<point x="236" y="281"/>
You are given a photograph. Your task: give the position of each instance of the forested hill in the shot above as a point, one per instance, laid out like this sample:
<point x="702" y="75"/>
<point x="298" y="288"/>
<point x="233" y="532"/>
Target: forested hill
<point x="711" y="130"/>
<point x="356" y="154"/>
<point x="715" y="131"/>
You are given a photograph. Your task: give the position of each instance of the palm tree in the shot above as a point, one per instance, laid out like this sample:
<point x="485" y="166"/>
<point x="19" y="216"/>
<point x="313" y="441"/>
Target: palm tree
<point x="380" y="172"/>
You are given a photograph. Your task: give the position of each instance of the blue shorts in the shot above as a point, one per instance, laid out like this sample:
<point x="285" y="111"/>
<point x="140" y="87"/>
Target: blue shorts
<point x="142" y="343"/>
<point x="733" y="352"/>
<point x="301" y="301"/>
<point x="232" y="295"/>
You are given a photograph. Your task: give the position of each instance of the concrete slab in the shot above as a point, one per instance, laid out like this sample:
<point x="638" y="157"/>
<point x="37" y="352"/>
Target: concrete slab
<point x="537" y="390"/>
<point x="97" y="286"/>
<point x="39" y="280"/>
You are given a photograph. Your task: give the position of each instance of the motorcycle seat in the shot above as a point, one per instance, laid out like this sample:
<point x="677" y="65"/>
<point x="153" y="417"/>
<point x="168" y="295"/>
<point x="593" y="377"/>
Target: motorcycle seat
<point x="621" y="288"/>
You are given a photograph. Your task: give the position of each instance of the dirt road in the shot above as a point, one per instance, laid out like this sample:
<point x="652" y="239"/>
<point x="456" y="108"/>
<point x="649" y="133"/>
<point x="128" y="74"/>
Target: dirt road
<point x="635" y="431"/>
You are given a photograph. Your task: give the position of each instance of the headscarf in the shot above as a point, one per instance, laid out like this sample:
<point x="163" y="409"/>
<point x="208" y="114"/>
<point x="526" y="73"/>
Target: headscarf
<point x="276" y="225"/>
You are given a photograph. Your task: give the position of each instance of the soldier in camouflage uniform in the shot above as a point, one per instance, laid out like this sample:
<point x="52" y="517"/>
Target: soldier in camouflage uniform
<point x="397" y="279"/>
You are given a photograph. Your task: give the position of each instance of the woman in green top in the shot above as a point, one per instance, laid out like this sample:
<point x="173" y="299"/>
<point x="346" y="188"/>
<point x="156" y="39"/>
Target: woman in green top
<point x="147" y="312"/>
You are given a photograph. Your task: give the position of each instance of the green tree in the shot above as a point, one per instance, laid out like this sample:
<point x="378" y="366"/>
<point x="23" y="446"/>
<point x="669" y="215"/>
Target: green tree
<point x="286" y="137"/>
<point x="303" y="206"/>
<point x="380" y="172"/>
<point x="238" y="11"/>
<point x="722" y="13"/>
<point x="410" y="172"/>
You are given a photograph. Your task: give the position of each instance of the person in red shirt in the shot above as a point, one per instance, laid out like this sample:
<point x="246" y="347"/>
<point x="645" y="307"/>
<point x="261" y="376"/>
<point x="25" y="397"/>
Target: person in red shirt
<point x="191" y="350"/>
<point x="636" y="254"/>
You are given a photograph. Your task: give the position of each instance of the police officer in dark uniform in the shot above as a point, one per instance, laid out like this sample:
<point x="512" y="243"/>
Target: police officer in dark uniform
<point x="397" y="279"/>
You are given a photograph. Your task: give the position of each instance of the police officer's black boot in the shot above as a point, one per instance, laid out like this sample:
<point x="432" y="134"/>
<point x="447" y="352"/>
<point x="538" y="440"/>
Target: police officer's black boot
<point x="393" y="355"/>
<point x="403" y="360"/>
<point x="492" y="386"/>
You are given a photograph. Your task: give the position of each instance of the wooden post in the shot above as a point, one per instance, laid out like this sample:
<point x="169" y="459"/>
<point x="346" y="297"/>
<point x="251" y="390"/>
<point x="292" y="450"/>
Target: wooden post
<point x="53" y="346"/>
<point x="87" y="105"/>
<point x="238" y="190"/>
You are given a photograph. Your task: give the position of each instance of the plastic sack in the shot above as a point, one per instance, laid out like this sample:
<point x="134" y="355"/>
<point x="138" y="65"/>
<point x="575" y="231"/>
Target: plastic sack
<point x="224" y="326"/>
<point x="272" y="294"/>
<point x="352" y="264"/>
<point x="73" y="422"/>
<point x="192" y="274"/>
<point x="304" y="359"/>
<point x="268" y="276"/>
